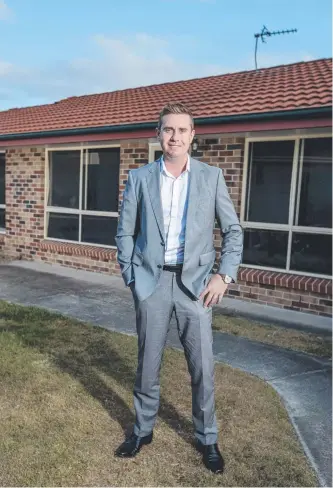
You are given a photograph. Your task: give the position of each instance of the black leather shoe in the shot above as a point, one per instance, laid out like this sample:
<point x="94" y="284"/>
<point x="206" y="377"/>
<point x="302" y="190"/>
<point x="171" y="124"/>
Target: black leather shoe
<point x="132" y="445"/>
<point x="211" y="457"/>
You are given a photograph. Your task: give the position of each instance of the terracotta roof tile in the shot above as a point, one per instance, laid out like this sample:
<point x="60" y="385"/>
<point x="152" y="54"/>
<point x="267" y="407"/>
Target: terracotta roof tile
<point x="287" y="87"/>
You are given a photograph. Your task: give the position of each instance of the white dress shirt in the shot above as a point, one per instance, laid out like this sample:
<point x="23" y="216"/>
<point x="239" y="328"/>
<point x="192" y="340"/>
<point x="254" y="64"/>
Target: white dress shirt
<point x="174" y="197"/>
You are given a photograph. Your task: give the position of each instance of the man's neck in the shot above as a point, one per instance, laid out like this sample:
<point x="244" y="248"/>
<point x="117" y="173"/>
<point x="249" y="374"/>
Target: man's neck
<point x="176" y="166"/>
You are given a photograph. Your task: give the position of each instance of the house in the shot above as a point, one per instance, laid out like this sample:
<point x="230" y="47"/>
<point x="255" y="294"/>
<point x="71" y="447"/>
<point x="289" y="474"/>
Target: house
<point x="64" y="166"/>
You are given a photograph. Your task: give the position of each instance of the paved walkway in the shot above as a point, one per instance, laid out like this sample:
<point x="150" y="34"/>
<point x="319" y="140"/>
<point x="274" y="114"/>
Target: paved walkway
<point x="304" y="382"/>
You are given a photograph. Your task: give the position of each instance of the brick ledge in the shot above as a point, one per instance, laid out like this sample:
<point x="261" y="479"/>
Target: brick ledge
<point x="285" y="280"/>
<point x="78" y="249"/>
<point x="270" y="278"/>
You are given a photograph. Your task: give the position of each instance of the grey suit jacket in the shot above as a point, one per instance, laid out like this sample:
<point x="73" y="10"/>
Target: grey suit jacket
<point x="140" y="235"/>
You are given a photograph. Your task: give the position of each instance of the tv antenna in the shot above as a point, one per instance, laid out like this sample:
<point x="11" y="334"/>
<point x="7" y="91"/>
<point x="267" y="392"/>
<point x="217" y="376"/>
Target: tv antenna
<point x="266" y="33"/>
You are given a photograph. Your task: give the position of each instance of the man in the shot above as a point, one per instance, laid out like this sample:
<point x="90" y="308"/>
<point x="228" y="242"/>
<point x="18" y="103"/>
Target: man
<point x="166" y="254"/>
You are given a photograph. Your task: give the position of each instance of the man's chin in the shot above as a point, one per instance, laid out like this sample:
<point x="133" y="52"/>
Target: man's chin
<point x="175" y="154"/>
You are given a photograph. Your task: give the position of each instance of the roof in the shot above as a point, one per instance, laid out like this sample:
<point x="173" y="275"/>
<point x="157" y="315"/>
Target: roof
<point x="282" y="88"/>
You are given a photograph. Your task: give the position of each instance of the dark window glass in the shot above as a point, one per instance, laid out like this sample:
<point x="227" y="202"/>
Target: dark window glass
<point x="158" y="154"/>
<point x="64" y="179"/>
<point x="63" y="226"/>
<point x="311" y="253"/>
<point x="265" y="248"/>
<point x="101" y="180"/>
<point x="315" y="205"/>
<point x="2" y="179"/>
<point x="2" y="218"/>
<point x="270" y="171"/>
<point x="99" y="230"/>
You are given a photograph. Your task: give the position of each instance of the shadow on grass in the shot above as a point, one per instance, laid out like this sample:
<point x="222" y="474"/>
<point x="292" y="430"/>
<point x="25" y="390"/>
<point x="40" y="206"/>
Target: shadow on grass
<point x="86" y="353"/>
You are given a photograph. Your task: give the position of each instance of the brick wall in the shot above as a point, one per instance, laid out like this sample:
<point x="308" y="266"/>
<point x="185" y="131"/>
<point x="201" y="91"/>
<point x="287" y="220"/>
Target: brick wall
<point x="24" y="237"/>
<point x="24" y="201"/>
<point x="226" y="153"/>
<point x="90" y="258"/>
<point x="302" y="294"/>
<point x="133" y="154"/>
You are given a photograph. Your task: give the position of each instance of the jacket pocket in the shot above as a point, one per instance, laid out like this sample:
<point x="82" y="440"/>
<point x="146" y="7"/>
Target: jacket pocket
<point x="207" y="258"/>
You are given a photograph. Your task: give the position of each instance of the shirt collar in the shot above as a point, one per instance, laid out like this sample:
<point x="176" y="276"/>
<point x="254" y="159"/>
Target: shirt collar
<point x="166" y="172"/>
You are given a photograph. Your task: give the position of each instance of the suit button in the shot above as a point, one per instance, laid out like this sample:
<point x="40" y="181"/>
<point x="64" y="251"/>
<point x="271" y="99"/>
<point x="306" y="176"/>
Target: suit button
<point x="159" y="266"/>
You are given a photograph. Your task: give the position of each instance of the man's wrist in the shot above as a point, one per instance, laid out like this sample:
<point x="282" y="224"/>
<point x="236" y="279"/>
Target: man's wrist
<point x="226" y="278"/>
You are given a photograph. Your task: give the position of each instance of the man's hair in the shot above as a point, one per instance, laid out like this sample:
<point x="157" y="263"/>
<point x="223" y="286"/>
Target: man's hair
<point x="174" y="108"/>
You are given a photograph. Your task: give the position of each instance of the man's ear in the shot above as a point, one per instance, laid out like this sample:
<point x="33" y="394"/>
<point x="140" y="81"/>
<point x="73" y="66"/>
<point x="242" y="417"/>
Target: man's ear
<point x="158" y="132"/>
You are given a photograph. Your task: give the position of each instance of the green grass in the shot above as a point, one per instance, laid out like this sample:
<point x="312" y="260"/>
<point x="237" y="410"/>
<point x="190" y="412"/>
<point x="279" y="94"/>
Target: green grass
<point x="296" y="340"/>
<point x="66" y="400"/>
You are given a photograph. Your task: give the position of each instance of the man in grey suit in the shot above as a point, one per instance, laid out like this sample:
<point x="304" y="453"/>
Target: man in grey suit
<point x="166" y="254"/>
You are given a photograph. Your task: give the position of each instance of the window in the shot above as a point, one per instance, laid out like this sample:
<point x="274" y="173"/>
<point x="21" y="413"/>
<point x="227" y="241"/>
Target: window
<point x="287" y="207"/>
<point x="155" y="151"/>
<point x="2" y="193"/>
<point x="82" y="202"/>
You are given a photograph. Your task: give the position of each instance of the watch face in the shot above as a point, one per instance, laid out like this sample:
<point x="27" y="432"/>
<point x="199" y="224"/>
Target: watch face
<point x="227" y="279"/>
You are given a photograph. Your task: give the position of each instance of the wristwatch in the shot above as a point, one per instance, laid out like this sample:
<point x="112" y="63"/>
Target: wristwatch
<point x="226" y="278"/>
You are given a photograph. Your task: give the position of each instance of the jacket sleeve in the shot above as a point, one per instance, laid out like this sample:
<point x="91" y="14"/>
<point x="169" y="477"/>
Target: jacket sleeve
<point x="126" y="230"/>
<point x="231" y="230"/>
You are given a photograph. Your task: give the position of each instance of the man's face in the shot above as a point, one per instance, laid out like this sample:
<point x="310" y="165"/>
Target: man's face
<point x="175" y="135"/>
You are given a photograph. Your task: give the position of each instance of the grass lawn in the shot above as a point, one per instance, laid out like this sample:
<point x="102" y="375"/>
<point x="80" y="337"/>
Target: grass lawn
<point x="297" y="340"/>
<point x="66" y="400"/>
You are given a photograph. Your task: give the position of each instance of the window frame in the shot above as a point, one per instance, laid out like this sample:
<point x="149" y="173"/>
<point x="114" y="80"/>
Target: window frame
<point x="3" y="205"/>
<point x="153" y="146"/>
<point x="75" y="211"/>
<point x="294" y="197"/>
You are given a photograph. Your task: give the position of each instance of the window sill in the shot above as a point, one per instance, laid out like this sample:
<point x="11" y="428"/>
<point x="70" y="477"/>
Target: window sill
<point x="285" y="280"/>
<point x="76" y="249"/>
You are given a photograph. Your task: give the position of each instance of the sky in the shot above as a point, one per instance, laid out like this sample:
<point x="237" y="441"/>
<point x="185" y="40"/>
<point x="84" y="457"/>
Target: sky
<point x="54" y="49"/>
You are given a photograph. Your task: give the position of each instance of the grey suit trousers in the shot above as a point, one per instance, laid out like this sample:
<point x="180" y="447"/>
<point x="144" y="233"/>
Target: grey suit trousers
<point x="195" y="332"/>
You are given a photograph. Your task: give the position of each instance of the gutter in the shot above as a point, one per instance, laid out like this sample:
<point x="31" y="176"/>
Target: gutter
<point x="224" y="119"/>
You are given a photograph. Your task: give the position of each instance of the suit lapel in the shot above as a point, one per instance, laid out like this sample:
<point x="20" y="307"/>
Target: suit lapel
<point x="154" y="190"/>
<point x="193" y="198"/>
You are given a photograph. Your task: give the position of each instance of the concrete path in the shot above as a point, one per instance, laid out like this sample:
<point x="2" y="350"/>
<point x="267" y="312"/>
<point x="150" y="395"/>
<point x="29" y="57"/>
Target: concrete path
<point x="304" y="382"/>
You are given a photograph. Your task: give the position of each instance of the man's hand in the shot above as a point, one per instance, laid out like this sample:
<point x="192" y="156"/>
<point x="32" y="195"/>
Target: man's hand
<point x="214" y="291"/>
